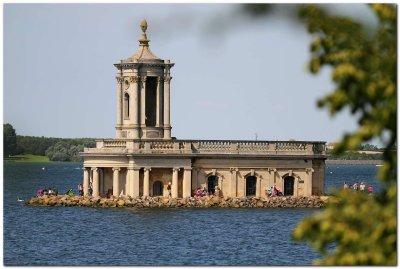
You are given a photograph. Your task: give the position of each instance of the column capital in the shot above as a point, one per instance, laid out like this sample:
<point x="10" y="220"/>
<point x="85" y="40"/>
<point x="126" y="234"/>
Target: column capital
<point x="120" y="79"/>
<point x="308" y="170"/>
<point x="134" y="79"/>
<point x="116" y="169"/>
<point x="188" y="168"/>
<point x="175" y="169"/>
<point x="94" y="169"/>
<point x="147" y="169"/>
<point x="234" y="169"/>
<point x="160" y="79"/>
<point x="167" y="79"/>
<point x="143" y="78"/>
<point x="133" y="168"/>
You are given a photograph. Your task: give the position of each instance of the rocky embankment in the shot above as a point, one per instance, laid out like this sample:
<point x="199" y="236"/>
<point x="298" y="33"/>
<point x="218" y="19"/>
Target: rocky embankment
<point x="160" y="202"/>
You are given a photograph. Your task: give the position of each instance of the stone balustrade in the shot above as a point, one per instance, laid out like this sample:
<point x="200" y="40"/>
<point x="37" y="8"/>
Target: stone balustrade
<point x="208" y="147"/>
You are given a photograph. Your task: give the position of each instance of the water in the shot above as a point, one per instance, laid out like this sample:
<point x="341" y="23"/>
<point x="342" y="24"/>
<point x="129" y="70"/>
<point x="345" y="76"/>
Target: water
<point x="129" y="236"/>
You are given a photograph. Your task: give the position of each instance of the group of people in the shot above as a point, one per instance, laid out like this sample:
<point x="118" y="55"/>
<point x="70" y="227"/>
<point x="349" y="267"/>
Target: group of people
<point x="49" y="192"/>
<point x="54" y="191"/>
<point x="358" y="187"/>
<point x="201" y="192"/>
<point x="273" y="191"/>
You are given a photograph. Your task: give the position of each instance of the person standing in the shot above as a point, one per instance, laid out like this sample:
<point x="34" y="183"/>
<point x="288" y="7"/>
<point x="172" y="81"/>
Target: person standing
<point x="362" y="186"/>
<point x="355" y="186"/>
<point x="345" y="186"/>
<point x="370" y="189"/>
<point x="80" y="189"/>
<point x="169" y="189"/>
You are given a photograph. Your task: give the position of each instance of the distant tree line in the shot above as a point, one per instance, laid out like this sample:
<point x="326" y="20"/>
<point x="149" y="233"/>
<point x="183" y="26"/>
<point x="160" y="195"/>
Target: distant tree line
<point x="353" y="155"/>
<point x="57" y="149"/>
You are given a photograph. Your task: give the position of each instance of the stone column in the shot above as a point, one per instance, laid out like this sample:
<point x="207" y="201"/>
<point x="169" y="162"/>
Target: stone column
<point x="146" y="181"/>
<point x="187" y="183"/>
<point x="143" y="102"/>
<point x="135" y="182"/>
<point x="116" y="181"/>
<point x="128" y="182"/>
<point x="85" y="181"/>
<point x="134" y="106"/>
<point x="95" y="182"/>
<point x="101" y="181"/>
<point x="233" y="183"/>
<point x="167" y="124"/>
<point x="174" y="187"/>
<point x="158" y="101"/>
<point x="119" y="100"/>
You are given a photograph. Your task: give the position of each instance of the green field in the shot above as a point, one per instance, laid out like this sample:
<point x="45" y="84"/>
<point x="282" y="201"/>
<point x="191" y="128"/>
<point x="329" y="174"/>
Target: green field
<point x="27" y="158"/>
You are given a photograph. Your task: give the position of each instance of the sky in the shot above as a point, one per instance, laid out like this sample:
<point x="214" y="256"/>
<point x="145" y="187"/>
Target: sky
<point x="234" y="77"/>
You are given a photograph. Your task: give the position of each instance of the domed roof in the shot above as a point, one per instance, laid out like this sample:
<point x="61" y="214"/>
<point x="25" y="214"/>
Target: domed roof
<point x="143" y="54"/>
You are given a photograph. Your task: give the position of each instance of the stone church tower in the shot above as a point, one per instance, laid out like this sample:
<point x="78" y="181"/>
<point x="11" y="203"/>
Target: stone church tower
<point x="143" y="160"/>
<point x="143" y="100"/>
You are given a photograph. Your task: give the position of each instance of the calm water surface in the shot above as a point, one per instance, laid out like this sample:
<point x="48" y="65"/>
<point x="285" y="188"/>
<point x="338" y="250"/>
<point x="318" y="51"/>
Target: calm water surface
<point x="128" y="236"/>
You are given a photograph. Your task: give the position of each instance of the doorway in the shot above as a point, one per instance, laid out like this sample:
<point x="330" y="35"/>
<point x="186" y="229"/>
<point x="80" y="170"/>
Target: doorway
<point x="288" y="186"/>
<point x="251" y="182"/>
<point x="157" y="188"/>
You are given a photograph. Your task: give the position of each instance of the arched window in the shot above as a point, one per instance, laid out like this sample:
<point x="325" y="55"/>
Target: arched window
<point x="126" y="106"/>
<point x="251" y="182"/>
<point x="288" y="185"/>
<point x="157" y="188"/>
<point x="212" y="183"/>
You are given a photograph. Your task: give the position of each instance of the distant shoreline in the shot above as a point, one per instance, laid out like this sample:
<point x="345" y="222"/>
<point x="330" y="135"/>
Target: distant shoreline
<point x="353" y="162"/>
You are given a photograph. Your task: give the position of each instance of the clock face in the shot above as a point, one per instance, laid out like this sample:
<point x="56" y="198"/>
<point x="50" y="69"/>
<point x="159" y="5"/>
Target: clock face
<point x="126" y="84"/>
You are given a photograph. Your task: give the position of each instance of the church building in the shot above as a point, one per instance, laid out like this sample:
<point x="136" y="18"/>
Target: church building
<point x="144" y="158"/>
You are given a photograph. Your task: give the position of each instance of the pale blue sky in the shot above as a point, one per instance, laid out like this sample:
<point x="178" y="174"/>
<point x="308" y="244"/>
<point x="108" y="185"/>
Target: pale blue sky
<point x="232" y="77"/>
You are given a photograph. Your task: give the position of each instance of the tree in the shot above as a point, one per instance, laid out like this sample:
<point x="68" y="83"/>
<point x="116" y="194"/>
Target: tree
<point x="9" y="140"/>
<point x="354" y="228"/>
<point x="361" y="227"/>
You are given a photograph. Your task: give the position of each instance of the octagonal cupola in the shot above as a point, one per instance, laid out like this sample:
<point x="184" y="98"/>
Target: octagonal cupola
<point x="143" y="101"/>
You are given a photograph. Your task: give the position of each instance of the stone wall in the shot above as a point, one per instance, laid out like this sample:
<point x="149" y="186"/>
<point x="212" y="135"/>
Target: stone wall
<point x="202" y="202"/>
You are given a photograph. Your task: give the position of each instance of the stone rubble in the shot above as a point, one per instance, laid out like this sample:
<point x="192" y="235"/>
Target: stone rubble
<point x="160" y="202"/>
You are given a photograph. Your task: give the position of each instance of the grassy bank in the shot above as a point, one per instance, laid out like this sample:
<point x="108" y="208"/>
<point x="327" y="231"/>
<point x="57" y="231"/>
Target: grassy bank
<point x="27" y="158"/>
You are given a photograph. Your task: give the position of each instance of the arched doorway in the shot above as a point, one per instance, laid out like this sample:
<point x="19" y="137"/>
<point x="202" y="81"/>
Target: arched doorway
<point x="251" y="182"/>
<point x="157" y="188"/>
<point x="212" y="183"/>
<point x="288" y="185"/>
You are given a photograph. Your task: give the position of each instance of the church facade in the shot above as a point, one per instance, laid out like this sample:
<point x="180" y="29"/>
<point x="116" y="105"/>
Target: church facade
<point x="144" y="158"/>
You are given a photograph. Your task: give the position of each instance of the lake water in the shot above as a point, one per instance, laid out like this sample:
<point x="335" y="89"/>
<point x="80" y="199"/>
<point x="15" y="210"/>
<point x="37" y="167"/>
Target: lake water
<point x="129" y="236"/>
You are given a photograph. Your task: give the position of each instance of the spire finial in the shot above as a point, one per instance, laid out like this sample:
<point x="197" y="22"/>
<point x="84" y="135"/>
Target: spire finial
<point x="143" y="25"/>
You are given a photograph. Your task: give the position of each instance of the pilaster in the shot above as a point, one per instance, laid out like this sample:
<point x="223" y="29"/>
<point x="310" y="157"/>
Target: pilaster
<point x="167" y="124"/>
<point x="233" y="183"/>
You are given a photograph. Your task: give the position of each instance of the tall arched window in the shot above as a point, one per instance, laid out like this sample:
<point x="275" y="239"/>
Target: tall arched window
<point x="126" y="106"/>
